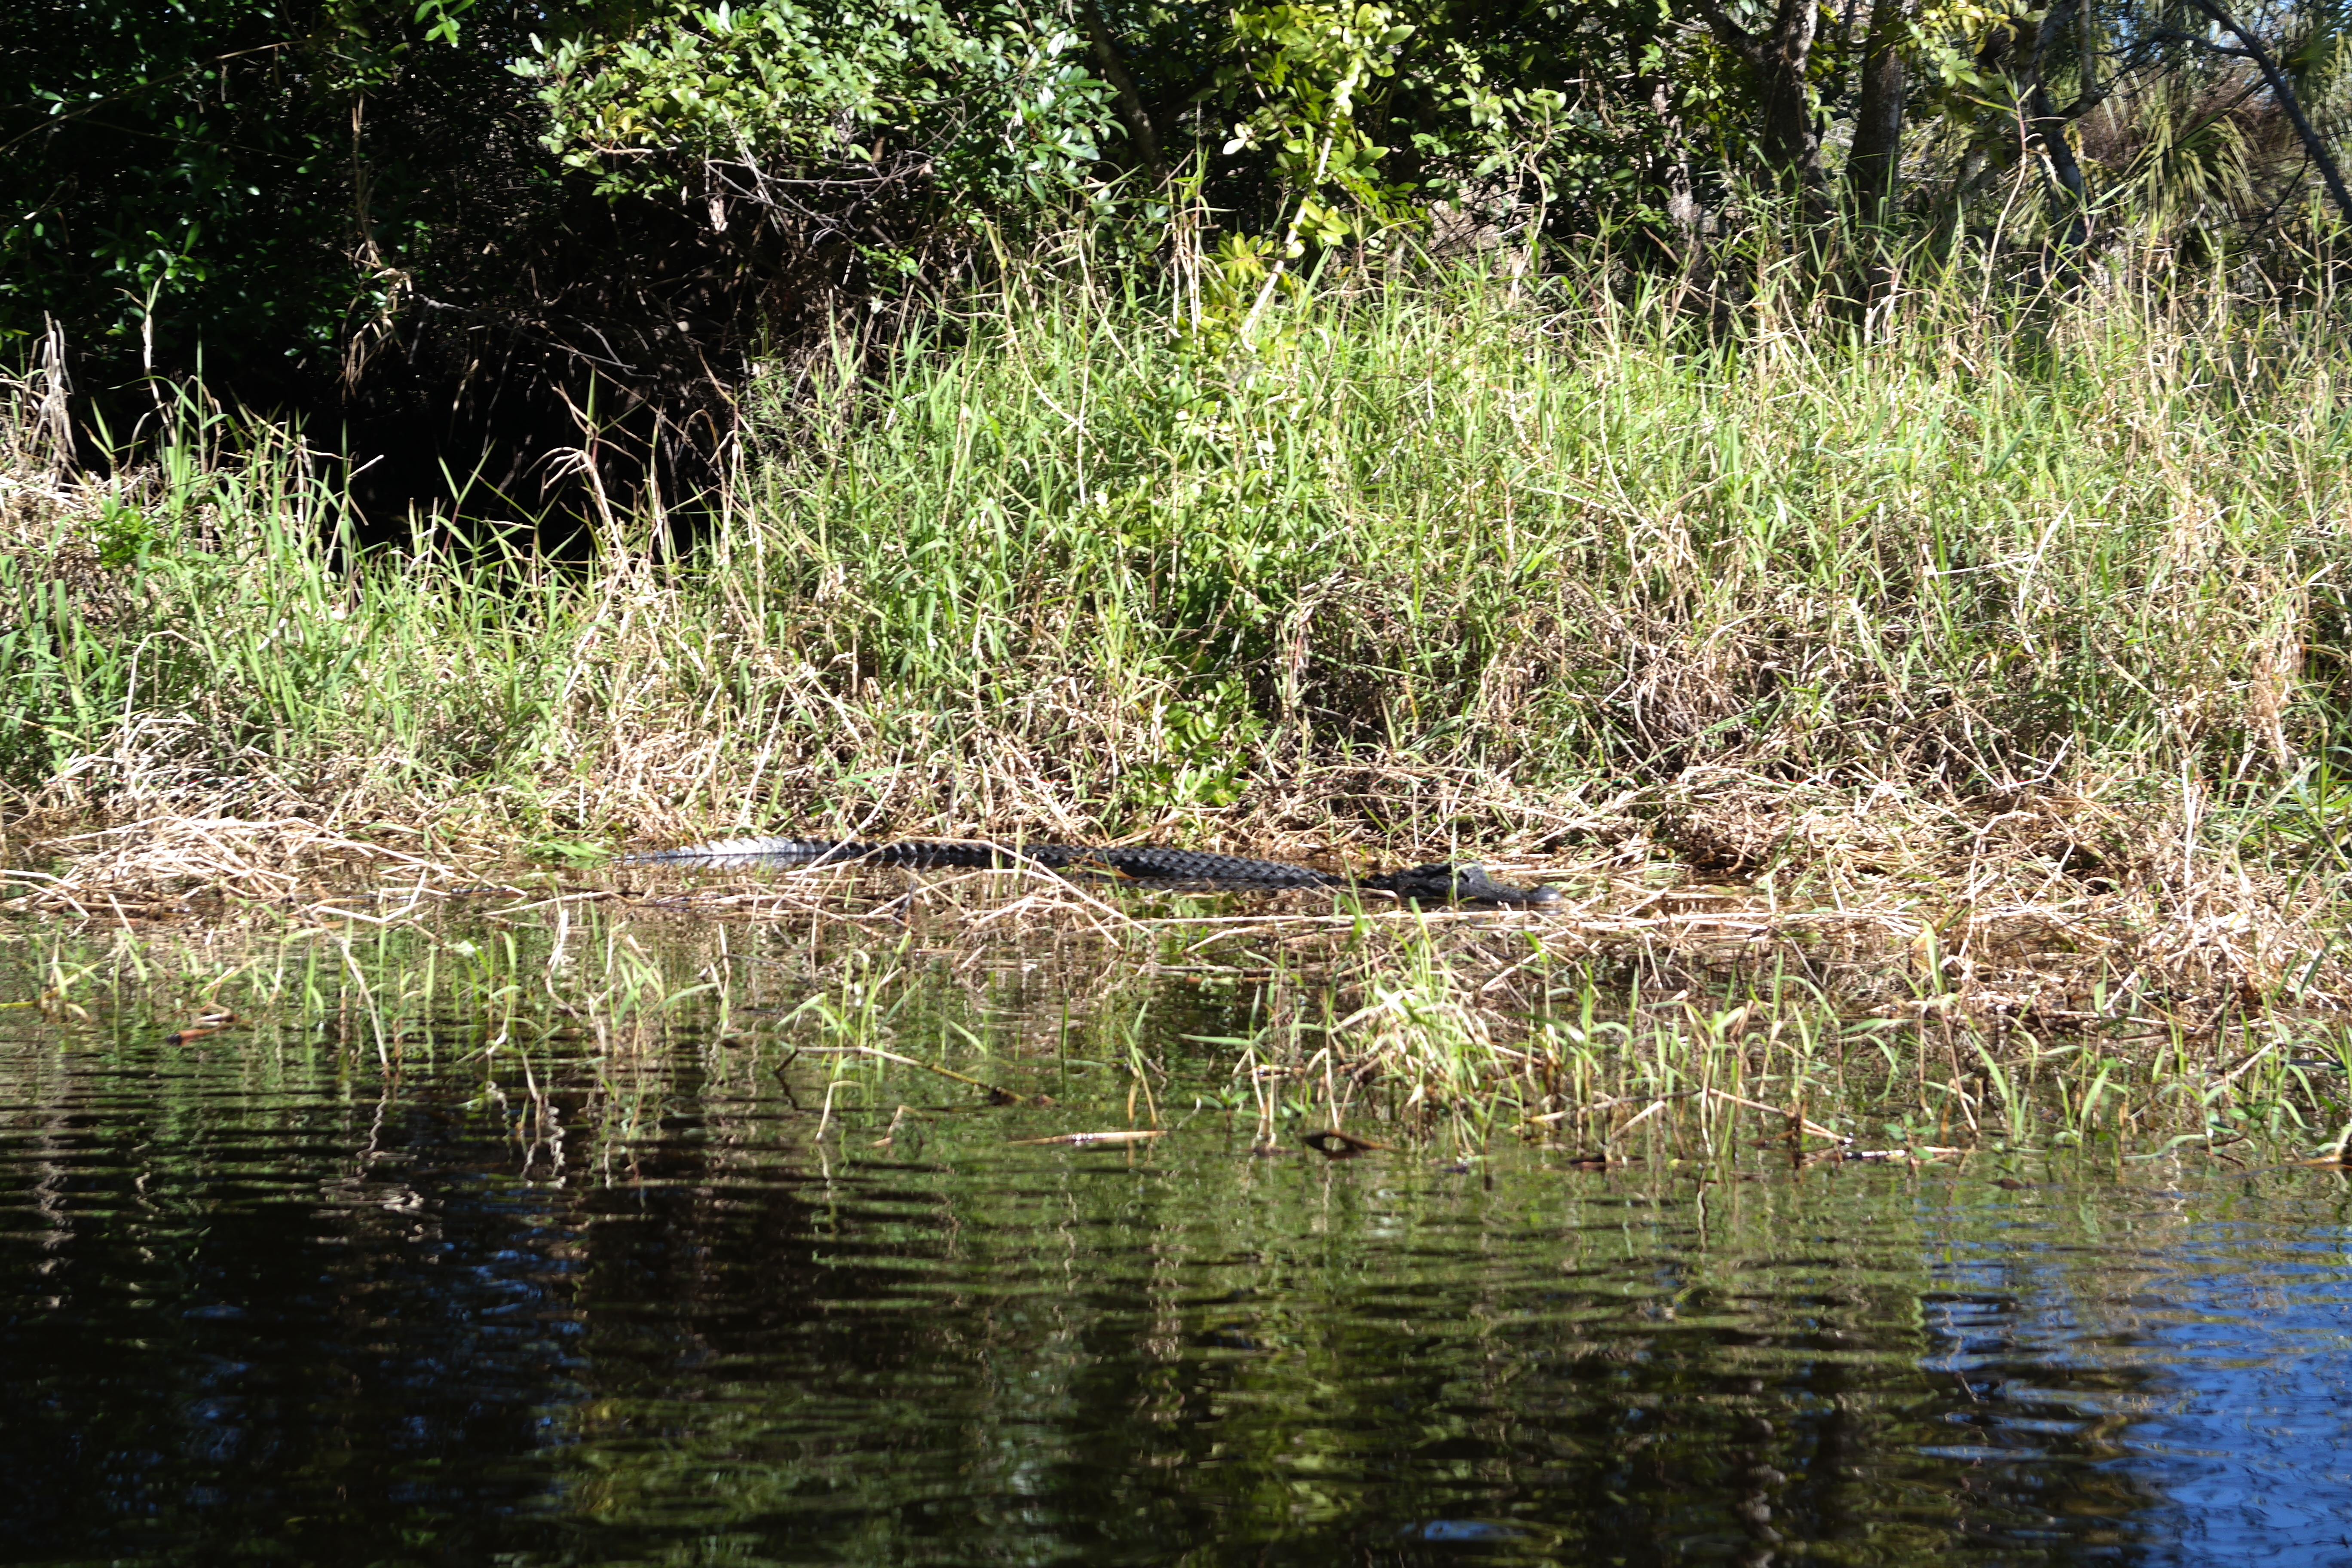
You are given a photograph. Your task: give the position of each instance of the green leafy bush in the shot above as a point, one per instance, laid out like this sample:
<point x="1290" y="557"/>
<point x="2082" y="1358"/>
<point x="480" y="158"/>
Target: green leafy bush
<point x="211" y="172"/>
<point x="901" y="107"/>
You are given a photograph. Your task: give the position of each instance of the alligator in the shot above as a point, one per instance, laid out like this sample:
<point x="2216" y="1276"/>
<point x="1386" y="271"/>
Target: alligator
<point x="1441" y="883"/>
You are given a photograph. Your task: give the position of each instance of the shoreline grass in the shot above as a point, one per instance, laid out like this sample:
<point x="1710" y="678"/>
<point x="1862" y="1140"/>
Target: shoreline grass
<point x="2019" y="639"/>
<point x="1465" y="1037"/>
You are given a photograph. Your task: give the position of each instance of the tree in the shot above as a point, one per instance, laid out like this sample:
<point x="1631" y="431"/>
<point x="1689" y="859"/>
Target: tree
<point x="1875" y="163"/>
<point x="879" y="120"/>
<point x="1780" y="60"/>
<point x="2250" y="48"/>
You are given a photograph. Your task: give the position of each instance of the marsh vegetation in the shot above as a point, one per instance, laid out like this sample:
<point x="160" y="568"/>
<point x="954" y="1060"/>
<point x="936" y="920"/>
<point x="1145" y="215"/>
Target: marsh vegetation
<point x="1997" y="649"/>
<point x="1853" y="502"/>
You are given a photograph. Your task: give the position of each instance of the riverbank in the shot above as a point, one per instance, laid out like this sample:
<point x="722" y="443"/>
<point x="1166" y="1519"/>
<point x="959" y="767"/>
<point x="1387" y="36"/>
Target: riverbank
<point x="2020" y="633"/>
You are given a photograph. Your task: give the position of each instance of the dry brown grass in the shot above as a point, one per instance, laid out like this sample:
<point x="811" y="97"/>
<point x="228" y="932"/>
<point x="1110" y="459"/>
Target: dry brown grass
<point x="1991" y="685"/>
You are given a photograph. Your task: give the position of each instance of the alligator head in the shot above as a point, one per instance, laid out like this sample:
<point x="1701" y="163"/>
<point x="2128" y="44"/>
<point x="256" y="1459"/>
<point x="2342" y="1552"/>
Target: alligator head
<point x="1445" y="883"/>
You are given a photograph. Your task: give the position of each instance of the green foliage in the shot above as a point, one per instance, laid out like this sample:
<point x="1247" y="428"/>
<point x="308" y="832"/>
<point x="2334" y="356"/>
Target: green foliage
<point x="200" y="172"/>
<point x="2179" y="144"/>
<point x="973" y="109"/>
<point x="275" y="192"/>
<point x="1303" y="66"/>
<point x="1488" y="121"/>
<point x="1479" y="110"/>
<point x="1071" y="570"/>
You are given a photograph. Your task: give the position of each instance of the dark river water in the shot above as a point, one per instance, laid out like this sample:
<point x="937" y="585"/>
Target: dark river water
<point x="295" y="1293"/>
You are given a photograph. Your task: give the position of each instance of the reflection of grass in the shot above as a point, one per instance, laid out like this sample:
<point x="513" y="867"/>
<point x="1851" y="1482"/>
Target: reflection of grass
<point x="1489" y="1033"/>
<point x="740" y="1344"/>
<point x="577" y="1016"/>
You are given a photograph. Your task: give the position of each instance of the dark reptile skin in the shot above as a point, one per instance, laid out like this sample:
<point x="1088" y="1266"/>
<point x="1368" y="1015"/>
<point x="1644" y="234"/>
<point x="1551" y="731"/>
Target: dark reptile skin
<point x="1152" y="862"/>
<point x="1435" y="883"/>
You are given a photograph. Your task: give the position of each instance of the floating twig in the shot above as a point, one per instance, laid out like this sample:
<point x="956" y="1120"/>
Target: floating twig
<point x="1813" y="1128"/>
<point x="210" y="1024"/>
<point x="1125" y="1135"/>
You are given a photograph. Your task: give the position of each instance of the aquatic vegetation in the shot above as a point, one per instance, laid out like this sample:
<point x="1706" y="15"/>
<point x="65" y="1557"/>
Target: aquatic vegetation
<point x="571" y="1248"/>
<point x="1457" y="1032"/>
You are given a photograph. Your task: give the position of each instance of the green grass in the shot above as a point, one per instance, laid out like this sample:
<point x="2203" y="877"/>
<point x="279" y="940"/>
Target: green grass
<point x="1995" y="612"/>
<point x="1469" y="1038"/>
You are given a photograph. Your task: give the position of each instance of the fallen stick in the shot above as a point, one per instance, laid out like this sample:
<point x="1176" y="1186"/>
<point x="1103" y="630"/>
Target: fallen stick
<point x="1129" y="1135"/>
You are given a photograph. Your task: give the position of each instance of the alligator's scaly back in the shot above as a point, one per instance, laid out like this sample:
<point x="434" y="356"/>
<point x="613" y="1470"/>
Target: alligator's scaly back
<point x="1442" y="883"/>
<point x="752" y="852"/>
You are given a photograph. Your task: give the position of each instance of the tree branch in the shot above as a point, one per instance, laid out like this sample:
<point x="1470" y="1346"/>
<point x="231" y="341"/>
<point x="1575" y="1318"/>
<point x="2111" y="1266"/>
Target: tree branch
<point x="1130" y="102"/>
<point x="2284" y="90"/>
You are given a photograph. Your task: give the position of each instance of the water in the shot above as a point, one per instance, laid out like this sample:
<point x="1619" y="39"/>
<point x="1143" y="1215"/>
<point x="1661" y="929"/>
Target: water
<point x="330" y="1288"/>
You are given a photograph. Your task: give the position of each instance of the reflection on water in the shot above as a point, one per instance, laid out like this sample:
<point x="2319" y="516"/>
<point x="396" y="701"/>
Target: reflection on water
<point x="266" y="1295"/>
